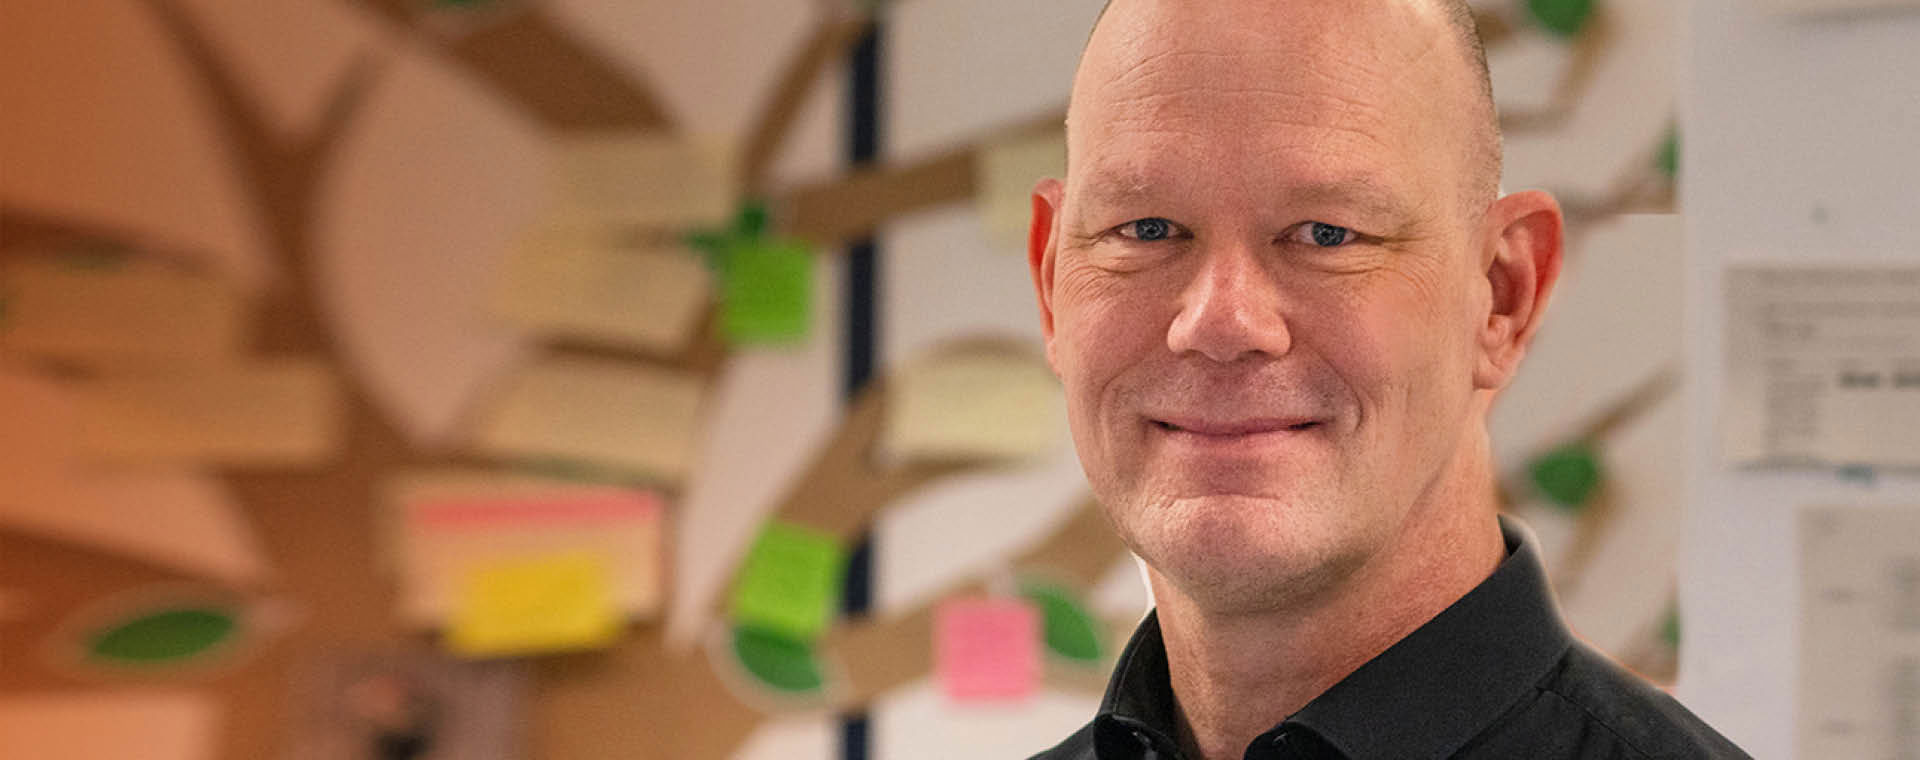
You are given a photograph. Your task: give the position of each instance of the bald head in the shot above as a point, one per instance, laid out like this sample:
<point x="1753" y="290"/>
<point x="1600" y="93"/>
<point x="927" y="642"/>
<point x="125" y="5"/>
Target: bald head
<point x="1480" y="138"/>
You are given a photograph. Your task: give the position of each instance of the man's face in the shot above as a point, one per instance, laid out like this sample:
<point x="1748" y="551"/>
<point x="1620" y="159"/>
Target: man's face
<point x="1264" y="286"/>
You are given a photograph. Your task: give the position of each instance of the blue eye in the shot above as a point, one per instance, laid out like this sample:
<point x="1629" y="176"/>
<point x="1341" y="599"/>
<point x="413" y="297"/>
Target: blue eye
<point x="1149" y="229"/>
<point x="1327" y="235"/>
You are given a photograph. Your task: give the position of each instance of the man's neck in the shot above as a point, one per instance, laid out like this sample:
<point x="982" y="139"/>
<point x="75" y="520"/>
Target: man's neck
<point x="1235" y="676"/>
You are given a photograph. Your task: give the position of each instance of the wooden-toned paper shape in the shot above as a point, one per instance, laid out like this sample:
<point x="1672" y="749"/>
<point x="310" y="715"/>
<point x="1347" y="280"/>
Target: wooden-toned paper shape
<point x="451" y="524"/>
<point x="984" y="402"/>
<point x="790" y="581"/>
<point x="111" y="725"/>
<point x="766" y="292"/>
<point x="176" y="517"/>
<point x="585" y="285"/>
<point x="1007" y="171"/>
<point x="987" y="648"/>
<point x="625" y="416"/>
<point x="536" y="605"/>
<point x="641" y="179"/>
<point x="281" y="412"/>
<point x="125" y="314"/>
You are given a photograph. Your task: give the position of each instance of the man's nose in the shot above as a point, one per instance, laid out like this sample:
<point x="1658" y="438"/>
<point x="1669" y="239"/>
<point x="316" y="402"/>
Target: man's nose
<point x="1231" y="308"/>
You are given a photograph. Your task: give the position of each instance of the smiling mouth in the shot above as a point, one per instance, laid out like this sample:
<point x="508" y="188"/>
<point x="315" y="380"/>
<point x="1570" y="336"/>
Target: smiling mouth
<point x="1235" y="429"/>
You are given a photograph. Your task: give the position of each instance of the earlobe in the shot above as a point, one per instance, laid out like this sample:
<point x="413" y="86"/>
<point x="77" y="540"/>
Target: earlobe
<point x="1041" y="248"/>
<point x="1524" y="240"/>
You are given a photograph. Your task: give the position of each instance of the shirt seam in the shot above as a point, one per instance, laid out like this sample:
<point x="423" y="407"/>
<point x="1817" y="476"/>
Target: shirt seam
<point x="1598" y="721"/>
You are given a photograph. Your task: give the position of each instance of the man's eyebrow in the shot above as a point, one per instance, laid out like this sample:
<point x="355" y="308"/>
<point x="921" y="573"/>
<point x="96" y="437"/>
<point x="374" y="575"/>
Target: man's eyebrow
<point x="1372" y="198"/>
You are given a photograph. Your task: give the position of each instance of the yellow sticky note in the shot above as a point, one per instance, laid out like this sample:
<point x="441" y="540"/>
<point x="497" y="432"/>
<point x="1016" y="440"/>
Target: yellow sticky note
<point x="585" y="285"/>
<point x="1008" y="170"/>
<point x="642" y="179"/>
<point x="554" y="603"/>
<point x="973" y="404"/>
<point x="134" y="314"/>
<point x="628" y="416"/>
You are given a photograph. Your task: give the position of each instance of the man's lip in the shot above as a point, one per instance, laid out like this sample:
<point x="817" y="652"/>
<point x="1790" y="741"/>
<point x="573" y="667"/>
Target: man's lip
<point x="1225" y="428"/>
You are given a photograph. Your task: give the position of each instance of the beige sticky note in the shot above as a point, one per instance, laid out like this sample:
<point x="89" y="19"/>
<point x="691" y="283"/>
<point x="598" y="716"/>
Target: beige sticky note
<point x="282" y="412"/>
<point x="580" y="284"/>
<point x="110" y="725"/>
<point x="984" y="404"/>
<point x="131" y="314"/>
<point x="1008" y="170"/>
<point x="451" y="524"/>
<point x="627" y="416"/>
<point x="642" y="179"/>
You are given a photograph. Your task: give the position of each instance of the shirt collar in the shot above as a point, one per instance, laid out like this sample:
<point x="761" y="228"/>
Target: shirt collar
<point x="1425" y="696"/>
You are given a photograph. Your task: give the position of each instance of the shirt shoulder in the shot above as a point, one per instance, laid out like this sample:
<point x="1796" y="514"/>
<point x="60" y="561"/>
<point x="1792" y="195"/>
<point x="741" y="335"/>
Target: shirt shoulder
<point x="1589" y="708"/>
<point x="1079" y="746"/>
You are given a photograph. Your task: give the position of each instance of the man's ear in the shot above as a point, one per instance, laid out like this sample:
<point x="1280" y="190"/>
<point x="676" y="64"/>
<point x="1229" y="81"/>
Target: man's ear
<point x="1041" y="248"/>
<point x="1521" y="253"/>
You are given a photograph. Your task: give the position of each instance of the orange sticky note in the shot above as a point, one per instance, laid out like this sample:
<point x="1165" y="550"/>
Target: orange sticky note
<point x="537" y="605"/>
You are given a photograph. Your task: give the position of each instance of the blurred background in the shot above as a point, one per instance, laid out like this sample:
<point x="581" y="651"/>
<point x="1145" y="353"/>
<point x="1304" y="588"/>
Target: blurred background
<point x="409" y="379"/>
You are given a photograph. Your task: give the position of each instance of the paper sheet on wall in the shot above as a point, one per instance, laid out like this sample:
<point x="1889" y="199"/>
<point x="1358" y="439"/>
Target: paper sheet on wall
<point x="647" y="180"/>
<point x="110" y="726"/>
<point x="283" y="412"/>
<point x="1859" y="632"/>
<point x="630" y="417"/>
<point x="1822" y="7"/>
<point x="1008" y="171"/>
<point x="988" y="404"/>
<point x="450" y="524"/>
<point x="1823" y="366"/>
<point x="585" y="285"/>
<point x="120" y="315"/>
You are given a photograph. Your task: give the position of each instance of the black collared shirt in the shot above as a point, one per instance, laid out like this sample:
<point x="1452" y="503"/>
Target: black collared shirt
<point x="1495" y="675"/>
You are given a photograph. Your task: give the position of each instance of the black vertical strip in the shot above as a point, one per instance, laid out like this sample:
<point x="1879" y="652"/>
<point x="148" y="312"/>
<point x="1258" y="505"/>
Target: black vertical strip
<point x="862" y="336"/>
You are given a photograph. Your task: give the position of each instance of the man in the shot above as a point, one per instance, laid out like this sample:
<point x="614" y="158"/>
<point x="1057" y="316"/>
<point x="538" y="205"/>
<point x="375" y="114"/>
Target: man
<point x="1282" y="291"/>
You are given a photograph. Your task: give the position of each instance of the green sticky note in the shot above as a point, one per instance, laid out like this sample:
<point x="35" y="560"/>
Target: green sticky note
<point x="766" y="291"/>
<point x="1567" y="475"/>
<point x="1069" y="630"/>
<point x="1668" y="160"/>
<point x="790" y="582"/>
<point x="777" y="662"/>
<point x="163" y="637"/>
<point x="1562" y="17"/>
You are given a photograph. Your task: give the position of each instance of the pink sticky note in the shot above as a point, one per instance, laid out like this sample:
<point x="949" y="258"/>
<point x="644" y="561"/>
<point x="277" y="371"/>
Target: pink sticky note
<point x="987" y="649"/>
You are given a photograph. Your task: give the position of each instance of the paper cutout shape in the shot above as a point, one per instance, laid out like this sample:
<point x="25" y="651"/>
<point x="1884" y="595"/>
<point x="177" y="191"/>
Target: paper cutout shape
<point x="1007" y="172"/>
<point x="115" y="725"/>
<point x="587" y="286"/>
<point x="777" y="662"/>
<point x="542" y="605"/>
<point x="636" y="418"/>
<point x="1567" y="475"/>
<point x="988" y="404"/>
<point x="987" y="649"/>
<point x="162" y="637"/>
<point x="47" y="488"/>
<point x="1562" y="17"/>
<point x="790" y="581"/>
<point x="117" y="317"/>
<point x="448" y="525"/>
<point x="642" y="179"/>
<point x="1668" y="159"/>
<point x="766" y="292"/>
<point x="1070" y="630"/>
<point x="283" y="412"/>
